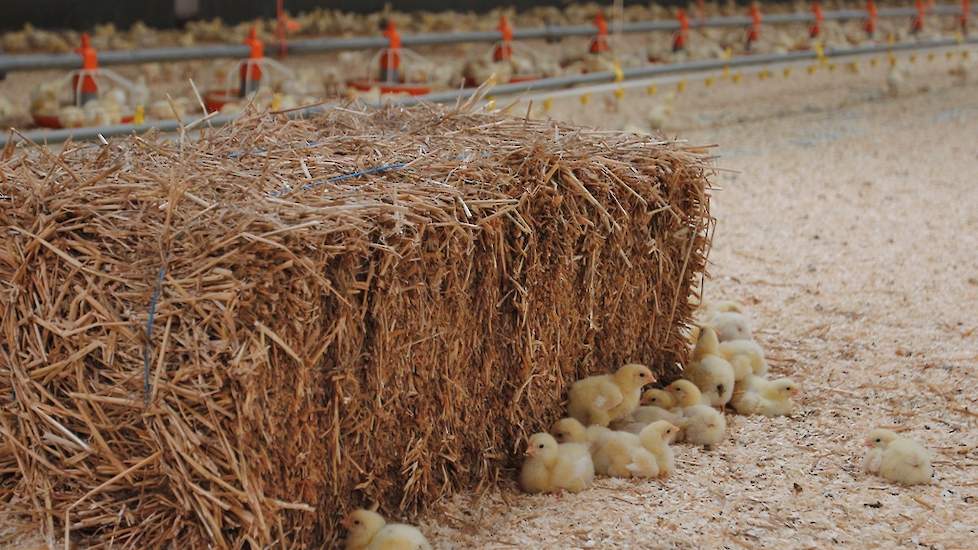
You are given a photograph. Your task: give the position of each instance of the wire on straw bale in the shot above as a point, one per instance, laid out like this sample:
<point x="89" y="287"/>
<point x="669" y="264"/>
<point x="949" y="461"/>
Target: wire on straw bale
<point x="357" y="306"/>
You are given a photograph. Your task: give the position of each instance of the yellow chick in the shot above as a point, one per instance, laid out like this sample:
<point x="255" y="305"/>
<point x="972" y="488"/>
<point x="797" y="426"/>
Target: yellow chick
<point x="730" y="325"/>
<point x="601" y="399"/>
<point x="367" y="530"/>
<point x="897" y="459"/>
<point x="895" y="81"/>
<point x="657" y="405"/>
<point x="756" y="395"/>
<point x="656" y="438"/>
<point x="702" y="424"/>
<point x="569" y="430"/>
<point x="660" y="398"/>
<point x="712" y="374"/>
<point x="708" y="310"/>
<point x="398" y="536"/>
<point x="632" y="427"/>
<point x="550" y="466"/>
<point x="658" y="116"/>
<point x="745" y="356"/>
<point x="71" y="117"/>
<point x="621" y="454"/>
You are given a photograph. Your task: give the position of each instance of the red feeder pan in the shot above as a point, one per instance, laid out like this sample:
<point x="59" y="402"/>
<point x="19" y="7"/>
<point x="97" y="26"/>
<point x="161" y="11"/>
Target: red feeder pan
<point x="365" y="85"/>
<point x="214" y="100"/>
<point x="47" y="121"/>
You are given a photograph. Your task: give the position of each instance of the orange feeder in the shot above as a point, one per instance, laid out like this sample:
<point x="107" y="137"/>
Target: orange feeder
<point x="503" y="50"/>
<point x="816" y="28"/>
<point x="250" y="73"/>
<point x="965" y="13"/>
<point x="390" y="60"/>
<point x="754" y="31"/>
<point x="599" y="43"/>
<point x="682" y="35"/>
<point x="917" y="23"/>
<point x="84" y="85"/>
<point x="871" y="16"/>
<point x="283" y="26"/>
<point x="390" y="76"/>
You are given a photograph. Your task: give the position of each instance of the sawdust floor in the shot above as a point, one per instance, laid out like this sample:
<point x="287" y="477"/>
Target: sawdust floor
<point x="849" y="225"/>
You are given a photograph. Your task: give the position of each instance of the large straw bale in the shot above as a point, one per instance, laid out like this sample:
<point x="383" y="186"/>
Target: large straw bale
<point x="320" y="342"/>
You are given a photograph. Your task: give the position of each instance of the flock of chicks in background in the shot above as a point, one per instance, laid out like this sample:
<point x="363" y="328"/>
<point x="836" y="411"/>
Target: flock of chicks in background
<point x="335" y="23"/>
<point x="112" y="107"/>
<point x="312" y="85"/>
<point x="616" y="429"/>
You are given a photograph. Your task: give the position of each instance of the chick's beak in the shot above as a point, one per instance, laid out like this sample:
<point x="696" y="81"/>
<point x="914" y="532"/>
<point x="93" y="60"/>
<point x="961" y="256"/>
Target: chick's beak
<point x="868" y="443"/>
<point x="345" y="522"/>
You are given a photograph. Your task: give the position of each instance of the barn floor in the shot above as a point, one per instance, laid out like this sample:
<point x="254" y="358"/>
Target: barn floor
<point x="848" y="222"/>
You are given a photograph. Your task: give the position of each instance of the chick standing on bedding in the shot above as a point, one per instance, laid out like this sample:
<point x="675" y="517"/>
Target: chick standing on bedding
<point x="756" y="395"/>
<point x="709" y="309"/>
<point x="702" y="424"/>
<point x="550" y="466"/>
<point x="712" y="374"/>
<point x="730" y="326"/>
<point x="897" y="459"/>
<point x="745" y="356"/>
<point x="728" y="318"/>
<point x="601" y="399"/>
<point x="367" y="530"/>
<point x="656" y="438"/>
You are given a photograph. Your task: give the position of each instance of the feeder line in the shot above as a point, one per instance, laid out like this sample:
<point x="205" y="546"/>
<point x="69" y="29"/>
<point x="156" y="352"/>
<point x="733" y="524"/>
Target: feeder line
<point x="509" y="89"/>
<point x="35" y="62"/>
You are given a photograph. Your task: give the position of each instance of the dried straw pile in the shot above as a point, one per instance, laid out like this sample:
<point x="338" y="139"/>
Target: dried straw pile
<point x="385" y="336"/>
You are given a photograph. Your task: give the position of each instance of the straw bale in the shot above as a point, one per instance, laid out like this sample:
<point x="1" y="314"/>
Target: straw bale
<point x="317" y="342"/>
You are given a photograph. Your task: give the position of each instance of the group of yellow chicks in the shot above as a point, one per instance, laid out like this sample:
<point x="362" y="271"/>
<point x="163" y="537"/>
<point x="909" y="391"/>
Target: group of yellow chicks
<point x="616" y="429"/>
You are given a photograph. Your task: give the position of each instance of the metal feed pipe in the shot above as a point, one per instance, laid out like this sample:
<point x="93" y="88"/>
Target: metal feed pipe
<point x="32" y="62"/>
<point x="56" y="136"/>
